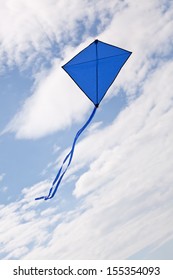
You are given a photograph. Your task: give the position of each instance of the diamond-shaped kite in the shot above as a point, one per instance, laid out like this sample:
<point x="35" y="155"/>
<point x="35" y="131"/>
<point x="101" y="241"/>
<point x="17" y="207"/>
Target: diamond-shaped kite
<point x="93" y="69"/>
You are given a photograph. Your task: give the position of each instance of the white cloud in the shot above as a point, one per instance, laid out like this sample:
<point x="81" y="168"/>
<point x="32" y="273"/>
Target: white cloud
<point x="36" y="25"/>
<point x="50" y="108"/>
<point x="126" y="195"/>
<point x="124" y="200"/>
<point x="137" y="136"/>
<point x="57" y="103"/>
<point x="94" y="126"/>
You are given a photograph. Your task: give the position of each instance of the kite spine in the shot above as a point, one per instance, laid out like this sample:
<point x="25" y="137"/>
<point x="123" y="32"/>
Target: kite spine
<point x="97" y="90"/>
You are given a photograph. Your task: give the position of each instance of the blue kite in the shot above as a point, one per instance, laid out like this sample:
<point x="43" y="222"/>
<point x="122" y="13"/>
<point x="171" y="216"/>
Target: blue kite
<point x="94" y="70"/>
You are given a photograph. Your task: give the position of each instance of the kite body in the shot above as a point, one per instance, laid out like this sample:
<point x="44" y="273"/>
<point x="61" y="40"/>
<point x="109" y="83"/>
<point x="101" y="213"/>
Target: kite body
<point x="93" y="69"/>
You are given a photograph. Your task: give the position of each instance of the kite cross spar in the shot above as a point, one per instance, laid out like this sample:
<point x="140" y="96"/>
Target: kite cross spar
<point x="93" y="69"/>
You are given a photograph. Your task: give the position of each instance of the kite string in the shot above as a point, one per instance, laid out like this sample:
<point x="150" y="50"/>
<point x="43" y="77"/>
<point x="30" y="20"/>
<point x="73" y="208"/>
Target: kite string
<point x="69" y="156"/>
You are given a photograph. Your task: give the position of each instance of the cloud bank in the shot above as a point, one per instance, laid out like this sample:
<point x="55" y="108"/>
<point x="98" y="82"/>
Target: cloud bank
<point x="123" y="200"/>
<point x="56" y="102"/>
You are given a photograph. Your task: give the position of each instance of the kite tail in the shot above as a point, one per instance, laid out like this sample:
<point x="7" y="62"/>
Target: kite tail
<point x="68" y="157"/>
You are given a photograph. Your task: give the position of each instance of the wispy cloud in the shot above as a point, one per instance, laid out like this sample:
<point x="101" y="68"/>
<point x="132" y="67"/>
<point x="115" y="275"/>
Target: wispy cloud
<point x="125" y="197"/>
<point x="123" y="201"/>
<point x="37" y="25"/>
<point x="52" y="107"/>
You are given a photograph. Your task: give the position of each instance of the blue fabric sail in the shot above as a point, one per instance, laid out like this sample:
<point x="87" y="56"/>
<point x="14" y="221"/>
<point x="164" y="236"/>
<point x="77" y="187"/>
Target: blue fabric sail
<point x="93" y="69"/>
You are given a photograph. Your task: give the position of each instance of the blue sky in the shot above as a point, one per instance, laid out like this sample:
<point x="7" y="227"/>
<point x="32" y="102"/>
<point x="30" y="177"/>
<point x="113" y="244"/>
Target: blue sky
<point x="115" y="201"/>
